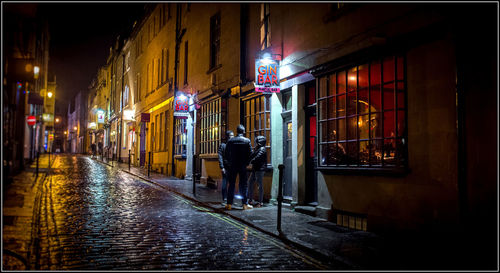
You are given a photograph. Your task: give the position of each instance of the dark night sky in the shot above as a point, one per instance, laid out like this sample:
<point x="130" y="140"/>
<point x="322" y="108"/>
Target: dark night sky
<point x="81" y="34"/>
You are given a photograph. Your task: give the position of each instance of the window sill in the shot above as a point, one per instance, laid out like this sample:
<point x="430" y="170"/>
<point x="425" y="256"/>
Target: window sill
<point x="180" y="157"/>
<point x="209" y="156"/>
<point x="214" y="68"/>
<point x="377" y="171"/>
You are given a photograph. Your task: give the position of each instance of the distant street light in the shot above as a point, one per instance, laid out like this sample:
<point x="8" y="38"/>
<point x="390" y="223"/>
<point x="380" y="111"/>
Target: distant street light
<point x="49" y="94"/>
<point x="57" y="119"/>
<point x="75" y="128"/>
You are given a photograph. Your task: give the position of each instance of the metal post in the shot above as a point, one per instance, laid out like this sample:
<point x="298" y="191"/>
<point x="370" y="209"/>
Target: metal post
<point x="149" y="162"/>
<point x="37" y="157"/>
<point x="281" y="167"/>
<point x="129" y="160"/>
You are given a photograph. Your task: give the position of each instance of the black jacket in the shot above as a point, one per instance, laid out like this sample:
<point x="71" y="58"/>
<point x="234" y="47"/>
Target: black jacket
<point x="259" y="159"/>
<point x="238" y="151"/>
<point x="222" y="156"/>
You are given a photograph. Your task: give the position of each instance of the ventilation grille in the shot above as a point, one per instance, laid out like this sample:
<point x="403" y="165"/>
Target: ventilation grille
<point x="351" y="220"/>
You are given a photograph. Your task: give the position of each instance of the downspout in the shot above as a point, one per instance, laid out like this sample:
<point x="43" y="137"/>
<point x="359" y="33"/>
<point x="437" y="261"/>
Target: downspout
<point x="178" y="38"/>
<point x="121" y="110"/>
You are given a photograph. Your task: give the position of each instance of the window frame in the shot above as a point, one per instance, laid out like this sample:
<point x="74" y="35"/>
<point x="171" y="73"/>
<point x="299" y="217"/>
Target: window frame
<point x="398" y="168"/>
<point x="211" y="112"/>
<point x="246" y="118"/>
<point x="179" y="145"/>
<point x="215" y="35"/>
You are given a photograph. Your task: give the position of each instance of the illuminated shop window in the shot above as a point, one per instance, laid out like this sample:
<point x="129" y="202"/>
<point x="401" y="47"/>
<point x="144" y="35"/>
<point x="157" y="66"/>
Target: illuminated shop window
<point x="362" y="116"/>
<point x="180" y="137"/>
<point x="213" y="125"/>
<point x="257" y="120"/>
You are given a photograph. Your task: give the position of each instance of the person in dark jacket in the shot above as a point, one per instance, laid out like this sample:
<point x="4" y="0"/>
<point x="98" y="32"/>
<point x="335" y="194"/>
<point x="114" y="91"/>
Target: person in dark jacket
<point x="238" y="151"/>
<point x="259" y="163"/>
<point x="223" y="163"/>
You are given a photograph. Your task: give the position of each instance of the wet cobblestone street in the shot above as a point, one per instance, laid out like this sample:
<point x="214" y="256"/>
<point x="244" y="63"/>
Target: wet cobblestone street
<point x="90" y="216"/>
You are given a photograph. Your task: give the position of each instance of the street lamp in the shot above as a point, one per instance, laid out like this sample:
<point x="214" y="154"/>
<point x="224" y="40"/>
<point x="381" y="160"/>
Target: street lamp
<point x="57" y="120"/>
<point x="49" y="94"/>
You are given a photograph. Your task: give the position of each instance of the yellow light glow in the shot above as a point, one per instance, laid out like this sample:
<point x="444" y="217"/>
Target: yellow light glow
<point x="49" y="94"/>
<point x="57" y="119"/>
<point x="36" y="72"/>
<point x="75" y="128"/>
<point x="158" y="106"/>
<point x="65" y="132"/>
<point x="352" y="78"/>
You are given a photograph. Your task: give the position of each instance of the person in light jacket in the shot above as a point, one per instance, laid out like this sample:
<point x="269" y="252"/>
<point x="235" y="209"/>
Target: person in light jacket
<point x="223" y="164"/>
<point x="259" y="163"/>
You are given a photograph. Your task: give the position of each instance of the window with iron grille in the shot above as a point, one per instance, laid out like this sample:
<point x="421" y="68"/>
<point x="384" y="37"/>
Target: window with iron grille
<point x="213" y="125"/>
<point x="214" y="40"/>
<point x="362" y="116"/>
<point x="257" y="120"/>
<point x="180" y="137"/>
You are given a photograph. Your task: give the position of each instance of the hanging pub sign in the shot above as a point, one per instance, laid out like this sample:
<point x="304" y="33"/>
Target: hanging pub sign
<point x="267" y="76"/>
<point x="144" y="117"/>
<point x="100" y="116"/>
<point x="181" y="106"/>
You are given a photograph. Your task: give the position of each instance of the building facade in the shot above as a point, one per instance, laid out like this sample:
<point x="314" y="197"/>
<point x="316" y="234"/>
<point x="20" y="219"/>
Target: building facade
<point x="25" y="66"/>
<point x="375" y="120"/>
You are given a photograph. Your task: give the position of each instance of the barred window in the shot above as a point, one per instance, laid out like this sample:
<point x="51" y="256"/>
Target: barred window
<point x="362" y="116"/>
<point x="257" y="120"/>
<point x="213" y="125"/>
<point x="180" y="137"/>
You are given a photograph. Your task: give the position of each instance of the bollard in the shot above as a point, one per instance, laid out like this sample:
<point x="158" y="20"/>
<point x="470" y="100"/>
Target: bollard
<point x="281" y="167"/>
<point x="37" y="157"/>
<point x="149" y="163"/>
<point x="129" y="160"/>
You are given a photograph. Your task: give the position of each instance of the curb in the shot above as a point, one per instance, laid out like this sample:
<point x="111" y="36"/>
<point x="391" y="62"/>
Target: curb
<point x="308" y="250"/>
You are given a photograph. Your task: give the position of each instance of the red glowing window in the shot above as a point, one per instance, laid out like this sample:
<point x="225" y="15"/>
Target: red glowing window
<point x="362" y="115"/>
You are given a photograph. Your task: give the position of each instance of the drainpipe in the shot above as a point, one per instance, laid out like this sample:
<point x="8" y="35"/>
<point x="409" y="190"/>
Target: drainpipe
<point x="178" y="38"/>
<point x="121" y="110"/>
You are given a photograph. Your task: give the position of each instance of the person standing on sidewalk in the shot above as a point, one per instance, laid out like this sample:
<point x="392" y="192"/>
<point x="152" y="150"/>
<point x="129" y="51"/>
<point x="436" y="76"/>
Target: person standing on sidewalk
<point x="238" y="151"/>
<point x="259" y="163"/>
<point x="223" y="164"/>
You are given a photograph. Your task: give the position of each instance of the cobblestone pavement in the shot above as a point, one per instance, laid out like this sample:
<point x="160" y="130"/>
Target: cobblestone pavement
<point x="90" y="216"/>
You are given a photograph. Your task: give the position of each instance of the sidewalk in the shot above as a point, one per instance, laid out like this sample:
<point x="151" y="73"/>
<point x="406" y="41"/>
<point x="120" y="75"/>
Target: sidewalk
<point x="18" y="206"/>
<point x="355" y="249"/>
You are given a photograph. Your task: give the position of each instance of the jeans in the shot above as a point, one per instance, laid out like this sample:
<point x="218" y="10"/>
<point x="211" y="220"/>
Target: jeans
<point x="259" y="176"/>
<point x="224" y="186"/>
<point x="232" y="183"/>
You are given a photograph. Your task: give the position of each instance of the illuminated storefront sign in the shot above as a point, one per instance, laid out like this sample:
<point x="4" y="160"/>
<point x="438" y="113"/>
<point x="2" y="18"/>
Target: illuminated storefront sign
<point x="181" y="106"/>
<point x="267" y="78"/>
<point x="92" y="125"/>
<point x="48" y="117"/>
<point x="100" y="116"/>
<point x="128" y="114"/>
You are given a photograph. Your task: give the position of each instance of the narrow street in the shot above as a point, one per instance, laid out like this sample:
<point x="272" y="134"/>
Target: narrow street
<point x="90" y="216"/>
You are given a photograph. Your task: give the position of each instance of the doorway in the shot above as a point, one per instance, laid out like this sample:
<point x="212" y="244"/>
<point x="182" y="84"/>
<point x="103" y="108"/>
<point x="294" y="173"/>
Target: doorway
<point x="287" y="145"/>
<point x="311" y="189"/>
<point x="142" y="157"/>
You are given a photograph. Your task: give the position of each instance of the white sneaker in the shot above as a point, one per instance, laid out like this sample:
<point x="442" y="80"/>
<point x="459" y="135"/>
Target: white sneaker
<point x="245" y="207"/>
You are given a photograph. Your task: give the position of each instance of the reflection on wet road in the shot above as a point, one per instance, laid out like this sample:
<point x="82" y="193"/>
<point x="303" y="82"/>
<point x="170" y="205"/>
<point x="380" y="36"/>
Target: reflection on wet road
<point x="91" y="216"/>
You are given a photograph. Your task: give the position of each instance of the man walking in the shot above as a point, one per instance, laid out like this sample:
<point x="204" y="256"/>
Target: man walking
<point x="238" y="151"/>
<point x="223" y="164"/>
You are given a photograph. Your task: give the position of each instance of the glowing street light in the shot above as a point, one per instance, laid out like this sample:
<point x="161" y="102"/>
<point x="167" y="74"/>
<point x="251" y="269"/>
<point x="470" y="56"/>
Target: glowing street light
<point x="57" y="119"/>
<point x="49" y="94"/>
<point x="75" y="128"/>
